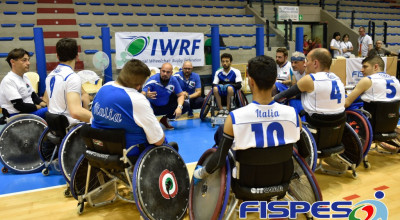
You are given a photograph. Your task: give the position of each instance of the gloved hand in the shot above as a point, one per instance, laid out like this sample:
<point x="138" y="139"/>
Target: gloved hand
<point x="198" y="174"/>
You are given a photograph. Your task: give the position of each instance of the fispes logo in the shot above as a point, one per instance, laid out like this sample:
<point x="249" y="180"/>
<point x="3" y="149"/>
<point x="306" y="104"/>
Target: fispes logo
<point x="137" y="45"/>
<point x="370" y="209"/>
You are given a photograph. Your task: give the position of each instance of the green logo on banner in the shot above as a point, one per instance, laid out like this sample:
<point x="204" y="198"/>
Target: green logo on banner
<point x="138" y="45"/>
<point x="300" y="17"/>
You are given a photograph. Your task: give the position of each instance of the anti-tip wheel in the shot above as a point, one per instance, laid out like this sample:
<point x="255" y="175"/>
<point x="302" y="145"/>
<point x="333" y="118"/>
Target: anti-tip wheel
<point x="45" y="172"/>
<point x="354" y="175"/>
<point x="80" y="208"/>
<point x="67" y="192"/>
<point x="367" y="165"/>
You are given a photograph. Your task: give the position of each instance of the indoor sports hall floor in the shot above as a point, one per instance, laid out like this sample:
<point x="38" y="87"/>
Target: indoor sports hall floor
<point x="34" y="196"/>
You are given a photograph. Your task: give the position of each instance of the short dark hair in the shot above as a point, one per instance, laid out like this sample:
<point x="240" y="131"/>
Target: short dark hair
<point x="133" y="73"/>
<point x="323" y="56"/>
<point x="375" y="60"/>
<point x="263" y="71"/>
<point x="336" y="34"/>
<point x="16" y="54"/>
<point x="67" y="49"/>
<point x="282" y="50"/>
<point x="227" y="55"/>
<point x="345" y="35"/>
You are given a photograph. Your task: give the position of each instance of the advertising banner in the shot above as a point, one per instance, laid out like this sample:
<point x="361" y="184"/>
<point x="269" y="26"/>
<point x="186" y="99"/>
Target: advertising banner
<point x="156" y="48"/>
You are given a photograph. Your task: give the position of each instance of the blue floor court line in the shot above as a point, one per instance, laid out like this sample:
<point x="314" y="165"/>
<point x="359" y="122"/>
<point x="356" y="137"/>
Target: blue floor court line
<point x="193" y="137"/>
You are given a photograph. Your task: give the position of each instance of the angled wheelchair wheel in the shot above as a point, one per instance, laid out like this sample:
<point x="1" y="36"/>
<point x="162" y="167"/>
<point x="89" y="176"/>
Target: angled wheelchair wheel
<point x="361" y="125"/>
<point x="161" y="183"/>
<point x="205" y="108"/>
<point x="79" y="179"/>
<point x="72" y="147"/>
<point x="208" y="198"/>
<point x="241" y="99"/>
<point x="353" y="150"/>
<point x="45" y="148"/>
<point x="19" y="142"/>
<point x="307" y="146"/>
<point x="303" y="186"/>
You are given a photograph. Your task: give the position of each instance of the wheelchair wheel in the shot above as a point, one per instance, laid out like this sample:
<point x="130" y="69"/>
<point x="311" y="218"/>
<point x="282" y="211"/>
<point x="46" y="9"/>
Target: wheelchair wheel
<point x="205" y="108"/>
<point x="72" y="147"/>
<point x="45" y="148"/>
<point x="241" y="99"/>
<point x="161" y="184"/>
<point x="208" y="198"/>
<point x="307" y="143"/>
<point x="79" y="176"/>
<point x="353" y="152"/>
<point x="19" y="154"/>
<point x="303" y="186"/>
<point x="361" y="125"/>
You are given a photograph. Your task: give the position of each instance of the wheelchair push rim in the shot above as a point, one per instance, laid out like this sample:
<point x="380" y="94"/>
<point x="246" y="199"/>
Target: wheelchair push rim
<point x="169" y="174"/>
<point x="71" y="148"/>
<point x="205" y="108"/>
<point x="353" y="148"/>
<point x="20" y="155"/>
<point x="362" y="127"/>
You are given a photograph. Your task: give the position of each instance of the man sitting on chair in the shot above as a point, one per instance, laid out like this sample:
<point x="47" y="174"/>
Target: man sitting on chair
<point x="257" y="124"/>
<point x="226" y="81"/>
<point x="120" y="105"/>
<point x="16" y="92"/>
<point x="376" y="84"/>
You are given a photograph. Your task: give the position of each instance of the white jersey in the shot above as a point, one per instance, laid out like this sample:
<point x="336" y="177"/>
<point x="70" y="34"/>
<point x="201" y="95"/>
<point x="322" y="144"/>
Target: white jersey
<point x="328" y="96"/>
<point x="299" y="75"/>
<point x="14" y="87"/>
<point x="284" y="71"/>
<point x="363" y="43"/>
<point x="260" y="126"/>
<point x="384" y="88"/>
<point x="61" y="81"/>
<point x="346" y="45"/>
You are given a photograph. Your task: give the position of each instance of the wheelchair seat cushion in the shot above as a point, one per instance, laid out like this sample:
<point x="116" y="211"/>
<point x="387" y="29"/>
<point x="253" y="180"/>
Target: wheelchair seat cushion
<point x="327" y="152"/>
<point x="385" y="136"/>
<point x="105" y="161"/>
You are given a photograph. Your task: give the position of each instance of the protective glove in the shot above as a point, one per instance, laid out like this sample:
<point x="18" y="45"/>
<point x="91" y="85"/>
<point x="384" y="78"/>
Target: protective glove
<point x="199" y="173"/>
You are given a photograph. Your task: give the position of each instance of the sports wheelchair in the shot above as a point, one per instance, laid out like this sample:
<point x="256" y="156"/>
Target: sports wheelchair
<point x="244" y="178"/>
<point x="376" y="122"/>
<point x="60" y="146"/>
<point x="18" y="143"/>
<point x="238" y="100"/>
<point x="157" y="181"/>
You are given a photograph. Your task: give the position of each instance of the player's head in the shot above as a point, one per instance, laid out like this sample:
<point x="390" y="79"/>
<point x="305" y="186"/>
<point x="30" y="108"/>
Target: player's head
<point x="372" y="64"/>
<point x="67" y="49"/>
<point x="18" y="59"/>
<point x="133" y="74"/>
<point x="262" y="70"/>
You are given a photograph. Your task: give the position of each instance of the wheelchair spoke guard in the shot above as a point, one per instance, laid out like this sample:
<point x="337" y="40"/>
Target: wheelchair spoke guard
<point x="72" y="147"/>
<point x="161" y="184"/>
<point x="19" y="143"/>
<point x="206" y="200"/>
<point x="352" y="145"/>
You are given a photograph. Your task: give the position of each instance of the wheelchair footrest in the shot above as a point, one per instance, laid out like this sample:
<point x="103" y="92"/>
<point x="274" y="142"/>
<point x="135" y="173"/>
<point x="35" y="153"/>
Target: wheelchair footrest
<point x="327" y="152"/>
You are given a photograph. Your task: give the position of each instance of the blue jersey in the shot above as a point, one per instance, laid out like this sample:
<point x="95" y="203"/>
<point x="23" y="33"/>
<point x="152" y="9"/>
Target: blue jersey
<point x="118" y="107"/>
<point x="163" y="92"/>
<point x="190" y="85"/>
<point x="233" y="76"/>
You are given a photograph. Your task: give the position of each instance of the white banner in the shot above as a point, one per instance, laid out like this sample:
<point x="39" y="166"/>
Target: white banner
<point x="156" y="48"/>
<point x="288" y="12"/>
<point x="353" y="70"/>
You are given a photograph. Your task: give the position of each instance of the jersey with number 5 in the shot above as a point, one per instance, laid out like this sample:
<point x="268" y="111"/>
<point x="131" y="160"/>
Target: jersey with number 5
<point x="328" y="96"/>
<point x="260" y="126"/>
<point x="384" y="88"/>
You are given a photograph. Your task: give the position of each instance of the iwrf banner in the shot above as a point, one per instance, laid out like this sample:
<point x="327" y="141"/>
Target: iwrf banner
<point x="156" y="48"/>
<point x="353" y="70"/>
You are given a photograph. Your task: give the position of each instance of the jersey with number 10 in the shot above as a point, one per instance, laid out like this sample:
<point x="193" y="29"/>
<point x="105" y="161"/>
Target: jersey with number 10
<point x="328" y="96"/>
<point x="384" y="88"/>
<point x="260" y="126"/>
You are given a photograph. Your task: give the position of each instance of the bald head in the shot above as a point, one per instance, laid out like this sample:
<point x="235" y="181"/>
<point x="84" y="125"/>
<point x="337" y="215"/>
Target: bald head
<point x="318" y="60"/>
<point x="187" y="68"/>
<point x="166" y="71"/>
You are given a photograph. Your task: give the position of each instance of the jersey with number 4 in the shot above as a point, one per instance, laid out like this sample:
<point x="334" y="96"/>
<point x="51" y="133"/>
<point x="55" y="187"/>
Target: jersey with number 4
<point x="384" y="88"/>
<point x="260" y="126"/>
<point x="328" y="96"/>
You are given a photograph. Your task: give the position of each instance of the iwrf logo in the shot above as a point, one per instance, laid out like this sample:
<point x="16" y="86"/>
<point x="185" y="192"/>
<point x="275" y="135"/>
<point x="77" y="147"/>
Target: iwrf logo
<point x="370" y="209"/>
<point x="138" y="45"/>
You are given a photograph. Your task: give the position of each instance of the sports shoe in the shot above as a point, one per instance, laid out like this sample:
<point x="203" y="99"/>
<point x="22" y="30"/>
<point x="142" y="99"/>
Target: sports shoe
<point x="226" y="112"/>
<point x="190" y="113"/>
<point x="221" y="113"/>
<point x="164" y="121"/>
